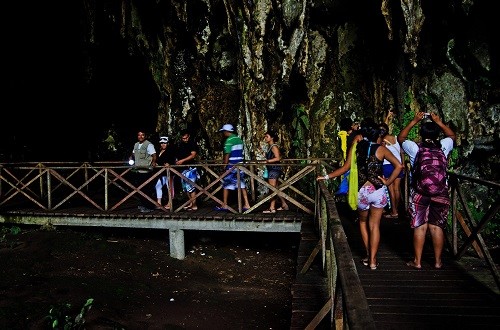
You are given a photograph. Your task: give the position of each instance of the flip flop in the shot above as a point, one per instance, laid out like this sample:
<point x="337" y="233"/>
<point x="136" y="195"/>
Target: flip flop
<point x="391" y="216"/>
<point x="374" y="267"/>
<point x="220" y="208"/>
<point x="365" y="261"/>
<point x="282" y="208"/>
<point x="269" y="211"/>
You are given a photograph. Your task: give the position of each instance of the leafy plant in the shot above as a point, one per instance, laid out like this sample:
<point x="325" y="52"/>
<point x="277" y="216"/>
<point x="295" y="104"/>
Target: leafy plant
<point x="4" y="232"/>
<point x="59" y="316"/>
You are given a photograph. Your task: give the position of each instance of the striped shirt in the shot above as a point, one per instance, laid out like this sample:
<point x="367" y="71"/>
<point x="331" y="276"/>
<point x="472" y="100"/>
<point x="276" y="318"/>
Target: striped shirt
<point x="234" y="147"/>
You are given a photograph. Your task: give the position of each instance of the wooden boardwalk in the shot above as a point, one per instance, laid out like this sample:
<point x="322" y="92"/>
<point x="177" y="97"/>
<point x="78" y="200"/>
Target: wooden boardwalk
<point x="399" y="297"/>
<point x="461" y="295"/>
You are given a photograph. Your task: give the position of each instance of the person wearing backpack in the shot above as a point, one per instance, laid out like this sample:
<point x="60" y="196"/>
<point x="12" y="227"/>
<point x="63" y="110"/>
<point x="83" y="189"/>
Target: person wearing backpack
<point x="429" y="201"/>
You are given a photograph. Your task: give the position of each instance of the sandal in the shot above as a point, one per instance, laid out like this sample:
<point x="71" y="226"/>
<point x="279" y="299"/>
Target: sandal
<point x="365" y="261"/>
<point x="283" y="208"/>
<point x="374" y="267"/>
<point x="192" y="208"/>
<point x="269" y="211"/>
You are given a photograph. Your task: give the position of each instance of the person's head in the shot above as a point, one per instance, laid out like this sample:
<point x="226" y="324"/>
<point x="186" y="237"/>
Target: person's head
<point x="227" y="129"/>
<point x="163" y="141"/>
<point x="271" y="136"/>
<point x="185" y="135"/>
<point x="384" y="129"/>
<point x="369" y="129"/>
<point x="345" y="124"/>
<point x="141" y="135"/>
<point x="429" y="131"/>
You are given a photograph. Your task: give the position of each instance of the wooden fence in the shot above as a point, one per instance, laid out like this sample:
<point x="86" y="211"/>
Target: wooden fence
<point x="106" y="186"/>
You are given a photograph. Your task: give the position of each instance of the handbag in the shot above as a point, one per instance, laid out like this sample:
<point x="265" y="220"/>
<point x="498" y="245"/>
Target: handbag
<point x="344" y="185"/>
<point x="265" y="174"/>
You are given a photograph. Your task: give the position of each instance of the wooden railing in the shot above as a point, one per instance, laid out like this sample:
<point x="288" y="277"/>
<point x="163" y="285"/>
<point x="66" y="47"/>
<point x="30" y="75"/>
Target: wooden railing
<point x="465" y="231"/>
<point x="347" y="305"/>
<point x="106" y="186"/>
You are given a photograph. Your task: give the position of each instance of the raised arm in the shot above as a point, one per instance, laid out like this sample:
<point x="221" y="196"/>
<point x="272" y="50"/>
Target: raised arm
<point x="405" y="131"/>
<point x="446" y="130"/>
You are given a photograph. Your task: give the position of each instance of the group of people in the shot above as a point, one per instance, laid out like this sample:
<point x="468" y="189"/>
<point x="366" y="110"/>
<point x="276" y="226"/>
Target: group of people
<point x="378" y="158"/>
<point x="145" y="158"/>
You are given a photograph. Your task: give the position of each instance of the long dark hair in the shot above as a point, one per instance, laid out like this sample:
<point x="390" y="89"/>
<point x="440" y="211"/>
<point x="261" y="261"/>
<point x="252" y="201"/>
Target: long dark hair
<point x="429" y="131"/>
<point x="370" y="132"/>
<point x="274" y="135"/>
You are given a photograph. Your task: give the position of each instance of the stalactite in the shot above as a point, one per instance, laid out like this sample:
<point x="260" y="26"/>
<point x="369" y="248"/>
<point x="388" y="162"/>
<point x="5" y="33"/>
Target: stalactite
<point x="414" y="18"/>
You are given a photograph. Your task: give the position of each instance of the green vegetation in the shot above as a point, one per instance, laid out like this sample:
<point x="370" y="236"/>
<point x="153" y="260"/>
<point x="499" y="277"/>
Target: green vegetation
<point x="5" y="232"/>
<point x="59" y="316"/>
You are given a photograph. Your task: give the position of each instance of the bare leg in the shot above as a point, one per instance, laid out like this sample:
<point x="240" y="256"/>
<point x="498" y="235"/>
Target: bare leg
<point x="192" y="199"/>
<point x="374" y="236"/>
<point x="418" y="244"/>
<point x="363" y="229"/>
<point x="438" y="243"/>
<point x="272" y="205"/>
<point x="397" y="195"/>
<point x="225" y="196"/>
<point x="392" y="195"/>
<point x="245" y="198"/>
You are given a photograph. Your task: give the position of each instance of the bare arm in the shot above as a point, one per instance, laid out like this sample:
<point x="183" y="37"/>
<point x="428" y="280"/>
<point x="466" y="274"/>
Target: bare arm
<point x="192" y="155"/>
<point x="446" y="130"/>
<point x="340" y="170"/>
<point x="276" y="154"/>
<point x="384" y="153"/>
<point x="402" y="136"/>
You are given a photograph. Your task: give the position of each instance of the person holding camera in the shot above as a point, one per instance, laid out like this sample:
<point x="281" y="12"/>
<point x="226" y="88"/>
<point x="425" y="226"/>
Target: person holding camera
<point x="429" y="201"/>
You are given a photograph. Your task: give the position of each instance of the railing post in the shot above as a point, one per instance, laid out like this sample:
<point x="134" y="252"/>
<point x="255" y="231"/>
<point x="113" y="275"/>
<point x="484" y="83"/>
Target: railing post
<point x="252" y="184"/>
<point x="49" y="190"/>
<point x="454" y="226"/>
<point x="106" y="206"/>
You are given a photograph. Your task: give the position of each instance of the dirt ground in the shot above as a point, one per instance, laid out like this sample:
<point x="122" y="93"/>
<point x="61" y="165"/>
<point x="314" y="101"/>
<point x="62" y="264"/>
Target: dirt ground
<point x="228" y="280"/>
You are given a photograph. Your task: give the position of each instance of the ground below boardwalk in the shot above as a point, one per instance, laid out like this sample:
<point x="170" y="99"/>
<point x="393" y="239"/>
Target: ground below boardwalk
<point x="227" y="280"/>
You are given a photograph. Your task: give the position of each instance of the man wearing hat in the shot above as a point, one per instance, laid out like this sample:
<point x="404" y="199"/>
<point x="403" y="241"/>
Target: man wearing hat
<point x="233" y="154"/>
<point x="165" y="157"/>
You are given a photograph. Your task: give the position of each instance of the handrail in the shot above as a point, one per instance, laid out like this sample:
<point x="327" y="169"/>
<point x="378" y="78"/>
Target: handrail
<point x="106" y="185"/>
<point x="347" y="301"/>
<point x="461" y="216"/>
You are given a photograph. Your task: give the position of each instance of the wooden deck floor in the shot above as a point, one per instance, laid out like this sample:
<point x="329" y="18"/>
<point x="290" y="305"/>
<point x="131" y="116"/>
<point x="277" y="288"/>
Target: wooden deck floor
<point x="399" y="297"/>
<point x="403" y="298"/>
